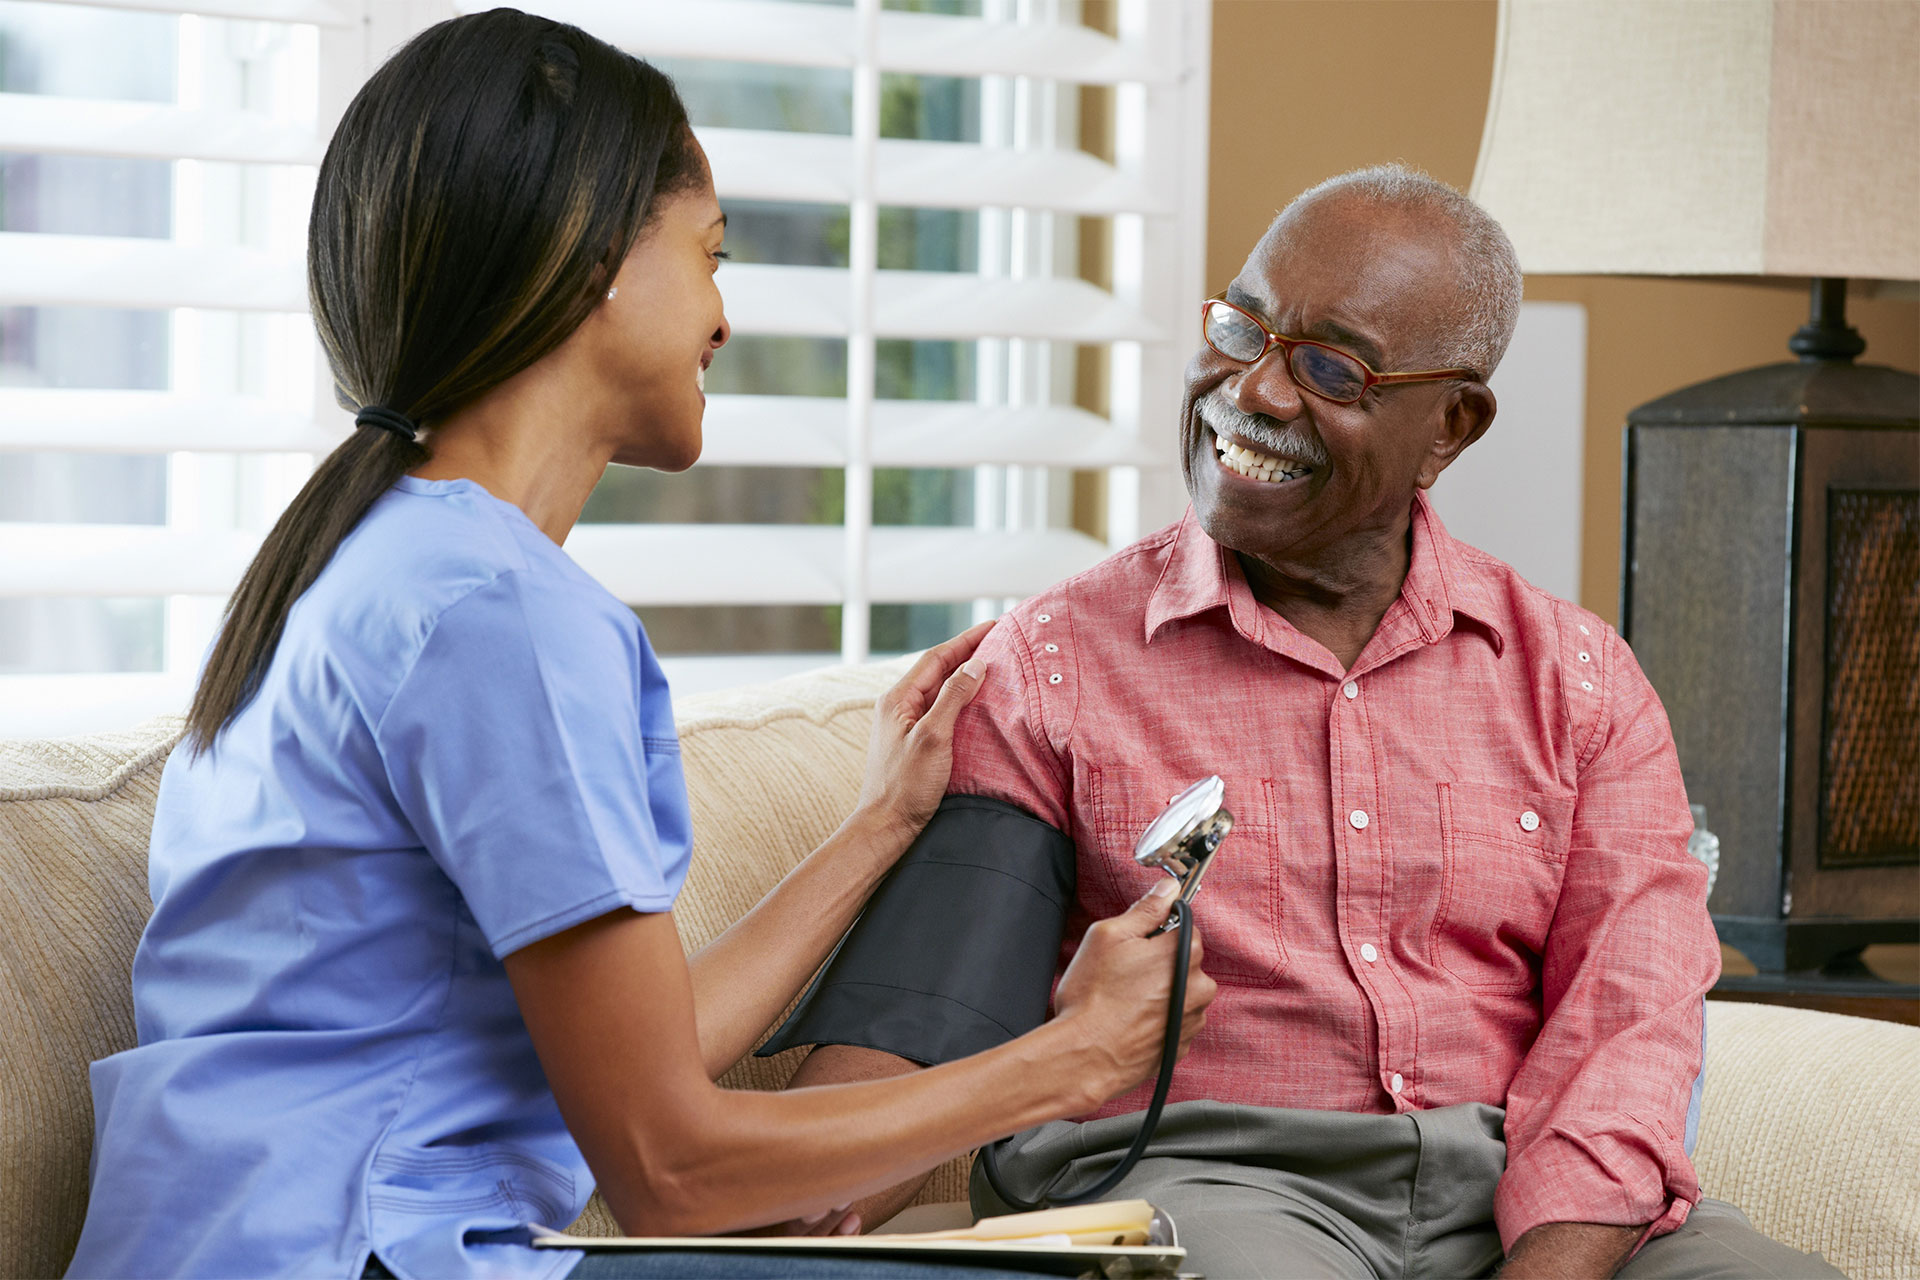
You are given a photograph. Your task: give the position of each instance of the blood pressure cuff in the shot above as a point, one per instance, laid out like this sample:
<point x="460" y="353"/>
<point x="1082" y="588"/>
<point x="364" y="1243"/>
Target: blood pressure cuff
<point x="956" y="950"/>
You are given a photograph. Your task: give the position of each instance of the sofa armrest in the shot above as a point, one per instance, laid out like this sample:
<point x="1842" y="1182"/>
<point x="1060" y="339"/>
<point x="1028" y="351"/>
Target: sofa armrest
<point x="1811" y="1125"/>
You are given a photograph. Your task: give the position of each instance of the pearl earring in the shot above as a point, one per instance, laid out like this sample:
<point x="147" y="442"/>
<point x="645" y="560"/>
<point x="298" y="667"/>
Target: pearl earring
<point x="611" y="292"/>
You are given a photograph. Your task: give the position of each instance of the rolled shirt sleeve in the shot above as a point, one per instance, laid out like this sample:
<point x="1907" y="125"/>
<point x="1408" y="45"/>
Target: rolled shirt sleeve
<point x="1597" y="1114"/>
<point x="548" y="800"/>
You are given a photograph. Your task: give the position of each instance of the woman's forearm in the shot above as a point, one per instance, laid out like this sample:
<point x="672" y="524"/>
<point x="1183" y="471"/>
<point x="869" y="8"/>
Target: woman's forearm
<point x="739" y="1159"/>
<point x="743" y="979"/>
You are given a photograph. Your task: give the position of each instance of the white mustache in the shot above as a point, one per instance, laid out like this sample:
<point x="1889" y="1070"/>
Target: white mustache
<point x="1263" y="433"/>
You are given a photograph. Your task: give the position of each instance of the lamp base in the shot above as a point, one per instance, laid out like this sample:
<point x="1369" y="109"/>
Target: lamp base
<point x="1772" y="540"/>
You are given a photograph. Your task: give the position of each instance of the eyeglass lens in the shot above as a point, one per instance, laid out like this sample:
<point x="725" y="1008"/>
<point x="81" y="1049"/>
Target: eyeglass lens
<point x="1322" y="370"/>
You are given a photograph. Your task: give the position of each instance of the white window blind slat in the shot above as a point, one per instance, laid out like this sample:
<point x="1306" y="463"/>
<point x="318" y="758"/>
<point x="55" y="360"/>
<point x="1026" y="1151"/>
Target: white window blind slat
<point x="788" y="431"/>
<point x="663" y="564"/>
<point x="321" y="13"/>
<point x="918" y="433"/>
<point x="112" y="271"/>
<point x="931" y="44"/>
<point x="801" y="564"/>
<point x="712" y="563"/>
<point x="43" y="269"/>
<point x="67" y="704"/>
<point x="934" y="564"/>
<point x="105" y="560"/>
<point x="815" y="302"/>
<point x="38" y="418"/>
<point x="787" y="34"/>
<point x="32" y="123"/>
<point x="766" y="164"/>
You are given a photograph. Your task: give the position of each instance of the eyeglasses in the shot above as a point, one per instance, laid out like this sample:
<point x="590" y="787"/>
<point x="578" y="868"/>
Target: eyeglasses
<point x="1328" y="372"/>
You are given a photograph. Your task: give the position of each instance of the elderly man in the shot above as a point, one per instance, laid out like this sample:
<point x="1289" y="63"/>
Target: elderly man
<point x="1460" y="944"/>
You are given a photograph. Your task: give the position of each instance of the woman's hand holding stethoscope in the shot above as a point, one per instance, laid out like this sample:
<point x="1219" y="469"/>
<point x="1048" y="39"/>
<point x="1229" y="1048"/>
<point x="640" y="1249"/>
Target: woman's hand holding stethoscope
<point x="910" y="755"/>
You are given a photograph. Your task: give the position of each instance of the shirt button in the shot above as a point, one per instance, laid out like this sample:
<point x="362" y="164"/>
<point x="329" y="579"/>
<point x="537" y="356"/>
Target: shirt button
<point x="1359" y="819"/>
<point x="1529" y="821"/>
<point x="1585" y="656"/>
<point x="1395" y="1083"/>
<point x="1367" y="952"/>
<point x="1046" y="617"/>
<point x="1054" y="678"/>
<point x="1053" y="648"/>
<point x="1351" y="689"/>
<point x="1584" y="631"/>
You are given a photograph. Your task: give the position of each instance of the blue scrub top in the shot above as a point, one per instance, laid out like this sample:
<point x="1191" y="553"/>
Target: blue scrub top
<point x="463" y="744"/>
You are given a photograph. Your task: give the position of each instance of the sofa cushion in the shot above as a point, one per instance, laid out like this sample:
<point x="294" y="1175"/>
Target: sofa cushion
<point x="1811" y="1124"/>
<point x="74" y="821"/>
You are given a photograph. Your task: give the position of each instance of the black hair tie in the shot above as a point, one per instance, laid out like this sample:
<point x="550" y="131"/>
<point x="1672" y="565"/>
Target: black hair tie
<point x="386" y="419"/>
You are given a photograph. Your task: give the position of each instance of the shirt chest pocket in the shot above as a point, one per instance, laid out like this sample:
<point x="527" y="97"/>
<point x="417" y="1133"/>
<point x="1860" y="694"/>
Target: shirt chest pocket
<point x="1503" y="853"/>
<point x="1239" y="905"/>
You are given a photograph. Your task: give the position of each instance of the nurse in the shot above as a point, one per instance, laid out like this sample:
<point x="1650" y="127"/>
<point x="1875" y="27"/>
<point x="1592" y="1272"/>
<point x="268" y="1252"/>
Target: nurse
<point x="412" y="979"/>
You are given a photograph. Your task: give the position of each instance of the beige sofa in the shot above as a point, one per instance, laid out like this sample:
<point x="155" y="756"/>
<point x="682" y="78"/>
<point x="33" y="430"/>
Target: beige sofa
<point x="1812" y="1122"/>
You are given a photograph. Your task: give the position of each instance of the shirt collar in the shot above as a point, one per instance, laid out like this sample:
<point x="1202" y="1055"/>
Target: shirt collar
<point x="1198" y="577"/>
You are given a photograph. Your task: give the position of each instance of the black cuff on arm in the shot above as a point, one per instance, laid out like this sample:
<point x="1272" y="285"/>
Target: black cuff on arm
<point x="956" y="950"/>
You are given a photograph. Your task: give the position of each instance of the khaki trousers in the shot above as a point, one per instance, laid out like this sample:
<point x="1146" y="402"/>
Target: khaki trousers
<point x="1265" y="1192"/>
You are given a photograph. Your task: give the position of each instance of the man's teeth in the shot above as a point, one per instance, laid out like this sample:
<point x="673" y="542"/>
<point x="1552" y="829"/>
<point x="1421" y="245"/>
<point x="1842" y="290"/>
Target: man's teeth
<point x="700" y="377"/>
<point x="1258" y="466"/>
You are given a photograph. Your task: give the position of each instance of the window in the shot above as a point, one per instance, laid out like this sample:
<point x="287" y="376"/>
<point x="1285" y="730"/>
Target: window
<point x="966" y="238"/>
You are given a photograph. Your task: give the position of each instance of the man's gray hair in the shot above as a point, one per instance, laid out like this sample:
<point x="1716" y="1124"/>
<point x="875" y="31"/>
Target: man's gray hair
<point x="1490" y="281"/>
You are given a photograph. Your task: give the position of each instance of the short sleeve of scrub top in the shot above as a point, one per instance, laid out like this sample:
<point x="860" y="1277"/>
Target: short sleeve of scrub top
<point x="525" y="776"/>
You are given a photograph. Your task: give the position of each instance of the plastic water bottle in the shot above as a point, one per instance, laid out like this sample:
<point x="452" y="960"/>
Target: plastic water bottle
<point x="1704" y="845"/>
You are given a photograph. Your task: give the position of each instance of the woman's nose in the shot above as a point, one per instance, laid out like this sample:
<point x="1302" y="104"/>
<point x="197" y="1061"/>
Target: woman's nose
<point x="721" y="334"/>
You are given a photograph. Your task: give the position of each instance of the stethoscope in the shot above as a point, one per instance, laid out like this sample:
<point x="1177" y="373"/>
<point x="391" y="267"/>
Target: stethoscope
<point x="1181" y="842"/>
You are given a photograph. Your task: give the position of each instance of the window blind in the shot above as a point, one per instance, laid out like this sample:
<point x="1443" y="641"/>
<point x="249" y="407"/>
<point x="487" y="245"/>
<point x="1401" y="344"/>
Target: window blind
<point x="1068" y="324"/>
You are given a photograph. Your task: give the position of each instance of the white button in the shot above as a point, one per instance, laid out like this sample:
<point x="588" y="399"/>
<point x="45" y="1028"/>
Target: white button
<point x="1054" y="678"/>
<point x="1584" y="631"/>
<point x="1053" y="648"/>
<point x="1351" y="689"/>
<point x="1587" y="685"/>
<point x="1529" y="821"/>
<point x="1396" y="1082"/>
<point x="1359" y="819"/>
<point x="1367" y="952"/>
<point x="1046" y="617"/>
<point x="1585" y="656"/>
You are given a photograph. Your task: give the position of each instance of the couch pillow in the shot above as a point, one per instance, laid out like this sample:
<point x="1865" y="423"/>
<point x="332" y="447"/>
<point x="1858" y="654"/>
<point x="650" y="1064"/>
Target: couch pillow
<point x="1811" y="1125"/>
<point x="75" y="816"/>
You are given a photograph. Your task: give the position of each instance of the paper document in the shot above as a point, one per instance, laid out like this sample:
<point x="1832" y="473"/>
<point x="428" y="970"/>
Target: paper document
<point x="1116" y="1238"/>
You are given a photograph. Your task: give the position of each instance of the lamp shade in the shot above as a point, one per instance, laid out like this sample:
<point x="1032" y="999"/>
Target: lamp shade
<point x="1707" y="137"/>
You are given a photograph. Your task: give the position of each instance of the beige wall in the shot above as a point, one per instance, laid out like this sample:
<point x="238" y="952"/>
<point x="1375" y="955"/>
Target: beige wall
<point x="1307" y="88"/>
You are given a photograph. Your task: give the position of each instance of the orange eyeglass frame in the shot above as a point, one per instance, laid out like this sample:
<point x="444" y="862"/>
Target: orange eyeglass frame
<point x="1287" y="345"/>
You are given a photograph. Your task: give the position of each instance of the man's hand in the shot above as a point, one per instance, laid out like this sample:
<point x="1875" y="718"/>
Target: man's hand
<point x="1570" y="1251"/>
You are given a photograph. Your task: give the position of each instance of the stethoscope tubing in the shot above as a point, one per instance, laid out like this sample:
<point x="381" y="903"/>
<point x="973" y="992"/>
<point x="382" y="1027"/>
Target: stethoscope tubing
<point x="1169" y="1055"/>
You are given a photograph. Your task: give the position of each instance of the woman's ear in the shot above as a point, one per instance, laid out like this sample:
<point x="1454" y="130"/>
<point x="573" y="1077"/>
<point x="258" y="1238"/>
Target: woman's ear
<point x="1464" y="418"/>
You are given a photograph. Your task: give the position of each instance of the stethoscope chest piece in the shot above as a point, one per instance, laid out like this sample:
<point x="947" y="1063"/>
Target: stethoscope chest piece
<point x="1182" y="840"/>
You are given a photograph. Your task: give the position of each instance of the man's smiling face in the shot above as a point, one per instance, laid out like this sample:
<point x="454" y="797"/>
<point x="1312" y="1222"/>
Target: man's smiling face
<point x="1293" y="479"/>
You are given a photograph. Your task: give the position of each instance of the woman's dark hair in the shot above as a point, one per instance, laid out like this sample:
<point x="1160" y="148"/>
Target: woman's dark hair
<point x="480" y="193"/>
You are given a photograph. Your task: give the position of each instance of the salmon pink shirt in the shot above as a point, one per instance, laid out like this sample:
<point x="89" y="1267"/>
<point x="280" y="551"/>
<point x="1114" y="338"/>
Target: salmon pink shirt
<point x="1458" y="870"/>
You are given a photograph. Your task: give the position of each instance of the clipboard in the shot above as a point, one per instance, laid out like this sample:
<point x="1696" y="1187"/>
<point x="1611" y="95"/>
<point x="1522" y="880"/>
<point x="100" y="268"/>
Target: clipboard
<point x="1114" y="1241"/>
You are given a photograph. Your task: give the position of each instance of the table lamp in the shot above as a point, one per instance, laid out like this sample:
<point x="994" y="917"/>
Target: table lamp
<point x="1771" y="567"/>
